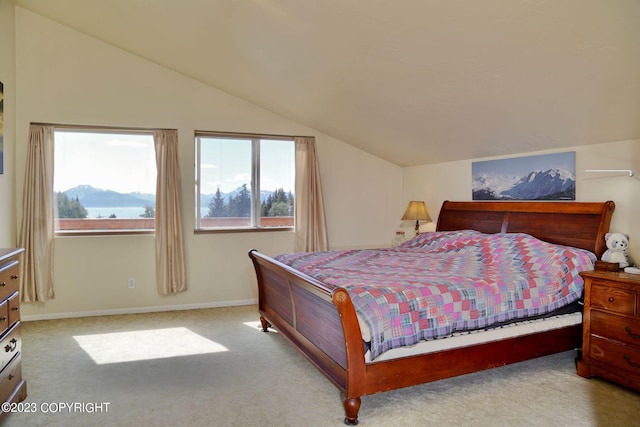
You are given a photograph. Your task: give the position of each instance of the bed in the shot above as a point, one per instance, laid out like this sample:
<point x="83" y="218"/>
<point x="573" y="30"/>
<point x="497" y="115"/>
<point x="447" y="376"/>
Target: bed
<point x="320" y="319"/>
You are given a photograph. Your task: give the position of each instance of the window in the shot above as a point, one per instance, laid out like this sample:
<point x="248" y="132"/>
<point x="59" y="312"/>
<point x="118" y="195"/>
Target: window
<point x="104" y="180"/>
<point x="244" y="181"/>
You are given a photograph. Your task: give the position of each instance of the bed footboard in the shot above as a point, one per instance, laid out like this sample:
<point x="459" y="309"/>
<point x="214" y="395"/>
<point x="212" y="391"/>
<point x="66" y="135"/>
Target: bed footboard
<point x="319" y="320"/>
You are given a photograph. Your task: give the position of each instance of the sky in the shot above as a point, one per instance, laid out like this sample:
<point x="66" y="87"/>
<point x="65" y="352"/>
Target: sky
<point x="120" y="162"/>
<point x="226" y="164"/>
<point x="126" y="163"/>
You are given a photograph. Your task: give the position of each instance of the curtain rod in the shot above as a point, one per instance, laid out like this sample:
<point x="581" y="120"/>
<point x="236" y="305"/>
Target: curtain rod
<point x="249" y="134"/>
<point x="99" y="127"/>
<point x="141" y="129"/>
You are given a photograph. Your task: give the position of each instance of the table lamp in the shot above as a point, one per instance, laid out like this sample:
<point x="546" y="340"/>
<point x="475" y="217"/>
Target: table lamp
<point x="416" y="211"/>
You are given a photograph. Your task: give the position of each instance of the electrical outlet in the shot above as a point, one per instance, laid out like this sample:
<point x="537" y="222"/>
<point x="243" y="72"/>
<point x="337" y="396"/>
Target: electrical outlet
<point x="132" y="283"/>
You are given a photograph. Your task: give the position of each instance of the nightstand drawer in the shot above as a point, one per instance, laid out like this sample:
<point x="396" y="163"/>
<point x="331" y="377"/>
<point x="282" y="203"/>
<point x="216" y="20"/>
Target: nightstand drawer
<point x="615" y="327"/>
<point x="615" y="300"/>
<point x="618" y="355"/>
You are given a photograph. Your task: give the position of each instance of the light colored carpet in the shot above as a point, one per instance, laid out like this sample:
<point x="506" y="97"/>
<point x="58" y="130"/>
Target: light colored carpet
<point x="260" y="380"/>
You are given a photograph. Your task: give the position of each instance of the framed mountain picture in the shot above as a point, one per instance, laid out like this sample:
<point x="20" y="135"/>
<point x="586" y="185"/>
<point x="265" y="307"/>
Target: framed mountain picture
<point x="541" y="177"/>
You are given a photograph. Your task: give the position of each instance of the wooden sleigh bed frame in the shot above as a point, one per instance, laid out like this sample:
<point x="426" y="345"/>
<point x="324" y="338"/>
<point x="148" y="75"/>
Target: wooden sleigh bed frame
<point x="321" y="322"/>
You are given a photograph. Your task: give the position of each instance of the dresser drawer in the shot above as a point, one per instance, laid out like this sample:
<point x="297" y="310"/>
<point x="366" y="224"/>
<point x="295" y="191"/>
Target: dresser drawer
<point x="615" y="354"/>
<point x="618" y="328"/>
<point x="615" y="300"/>
<point x="11" y="376"/>
<point x="10" y="345"/>
<point x="4" y="316"/>
<point x="9" y="282"/>
<point x="13" y="308"/>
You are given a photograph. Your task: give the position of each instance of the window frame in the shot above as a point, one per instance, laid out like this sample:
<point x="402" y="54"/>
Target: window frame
<point x="254" y="182"/>
<point x="98" y="130"/>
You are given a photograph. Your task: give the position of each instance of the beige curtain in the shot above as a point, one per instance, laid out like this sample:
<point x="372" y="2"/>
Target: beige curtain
<point x="311" y="228"/>
<point x="37" y="230"/>
<point x="170" y="259"/>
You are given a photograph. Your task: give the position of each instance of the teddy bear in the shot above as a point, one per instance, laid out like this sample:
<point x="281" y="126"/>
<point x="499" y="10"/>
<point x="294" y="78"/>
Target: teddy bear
<point x="617" y="244"/>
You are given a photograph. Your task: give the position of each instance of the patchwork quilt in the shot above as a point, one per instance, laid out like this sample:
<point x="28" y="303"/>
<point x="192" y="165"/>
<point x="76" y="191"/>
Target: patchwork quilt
<point x="440" y="283"/>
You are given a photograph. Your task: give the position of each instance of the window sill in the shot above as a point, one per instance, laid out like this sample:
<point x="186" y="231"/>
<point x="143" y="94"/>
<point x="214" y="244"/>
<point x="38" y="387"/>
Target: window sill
<point x="71" y="233"/>
<point x="241" y="230"/>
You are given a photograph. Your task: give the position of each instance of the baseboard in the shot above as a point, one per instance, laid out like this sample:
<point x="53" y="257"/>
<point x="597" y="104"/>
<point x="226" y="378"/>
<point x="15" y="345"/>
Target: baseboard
<point x="135" y="310"/>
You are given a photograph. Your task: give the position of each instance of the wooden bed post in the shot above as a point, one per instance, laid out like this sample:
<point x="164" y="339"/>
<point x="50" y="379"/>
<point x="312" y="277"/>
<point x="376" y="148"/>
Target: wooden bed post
<point x="265" y="324"/>
<point x="351" y="409"/>
<point x="355" y="356"/>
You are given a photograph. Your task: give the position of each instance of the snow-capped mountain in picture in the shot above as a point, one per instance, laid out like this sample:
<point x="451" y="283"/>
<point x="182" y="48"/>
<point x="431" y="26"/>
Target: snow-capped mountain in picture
<point x="514" y="179"/>
<point x="552" y="184"/>
<point x="495" y="183"/>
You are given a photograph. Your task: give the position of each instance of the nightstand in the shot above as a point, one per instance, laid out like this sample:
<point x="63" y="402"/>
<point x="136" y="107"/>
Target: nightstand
<point x="611" y="328"/>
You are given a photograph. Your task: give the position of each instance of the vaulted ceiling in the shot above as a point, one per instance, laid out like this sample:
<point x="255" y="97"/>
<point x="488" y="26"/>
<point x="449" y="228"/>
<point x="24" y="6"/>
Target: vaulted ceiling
<point x="410" y="81"/>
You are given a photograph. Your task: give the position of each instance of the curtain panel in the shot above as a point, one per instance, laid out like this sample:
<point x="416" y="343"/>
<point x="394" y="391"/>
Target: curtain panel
<point x="310" y="222"/>
<point x="37" y="229"/>
<point x="171" y="270"/>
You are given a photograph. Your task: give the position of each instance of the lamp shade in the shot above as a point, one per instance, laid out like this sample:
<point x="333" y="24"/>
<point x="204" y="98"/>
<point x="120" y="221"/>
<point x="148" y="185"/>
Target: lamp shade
<point x="416" y="211"/>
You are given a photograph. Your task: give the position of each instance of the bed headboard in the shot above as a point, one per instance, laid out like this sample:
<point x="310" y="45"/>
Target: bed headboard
<point x="578" y="224"/>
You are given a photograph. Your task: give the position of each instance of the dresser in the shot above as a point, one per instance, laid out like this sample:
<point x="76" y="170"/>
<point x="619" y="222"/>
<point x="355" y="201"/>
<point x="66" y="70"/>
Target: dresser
<point x="611" y="328"/>
<point x="12" y="387"/>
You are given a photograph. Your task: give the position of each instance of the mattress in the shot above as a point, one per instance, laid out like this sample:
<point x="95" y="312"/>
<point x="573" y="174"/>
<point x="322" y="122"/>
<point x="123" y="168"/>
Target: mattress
<point x="469" y="338"/>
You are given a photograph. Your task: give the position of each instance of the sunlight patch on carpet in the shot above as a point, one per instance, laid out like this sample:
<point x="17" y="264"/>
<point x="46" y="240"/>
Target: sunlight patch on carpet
<point x="134" y="346"/>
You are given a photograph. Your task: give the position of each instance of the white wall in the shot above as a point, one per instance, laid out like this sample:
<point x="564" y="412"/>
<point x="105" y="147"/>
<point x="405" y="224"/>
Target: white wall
<point x="452" y="181"/>
<point x="7" y="77"/>
<point x="65" y="77"/>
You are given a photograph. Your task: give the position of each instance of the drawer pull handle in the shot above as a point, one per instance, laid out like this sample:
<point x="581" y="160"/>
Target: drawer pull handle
<point x="610" y="299"/>
<point x="14" y="343"/>
<point x="14" y="276"/>
<point x="12" y="346"/>
<point x="630" y="363"/>
<point x="3" y="318"/>
<point x="3" y="284"/>
<point x="15" y="308"/>
<point x="631" y="334"/>
<point x="10" y="376"/>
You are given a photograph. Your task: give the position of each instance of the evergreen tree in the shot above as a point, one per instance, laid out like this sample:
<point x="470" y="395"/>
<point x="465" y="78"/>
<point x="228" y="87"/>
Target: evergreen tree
<point x="265" y="206"/>
<point x="278" y="203"/>
<point x="69" y="208"/>
<point x="217" y="206"/>
<point x="240" y="205"/>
